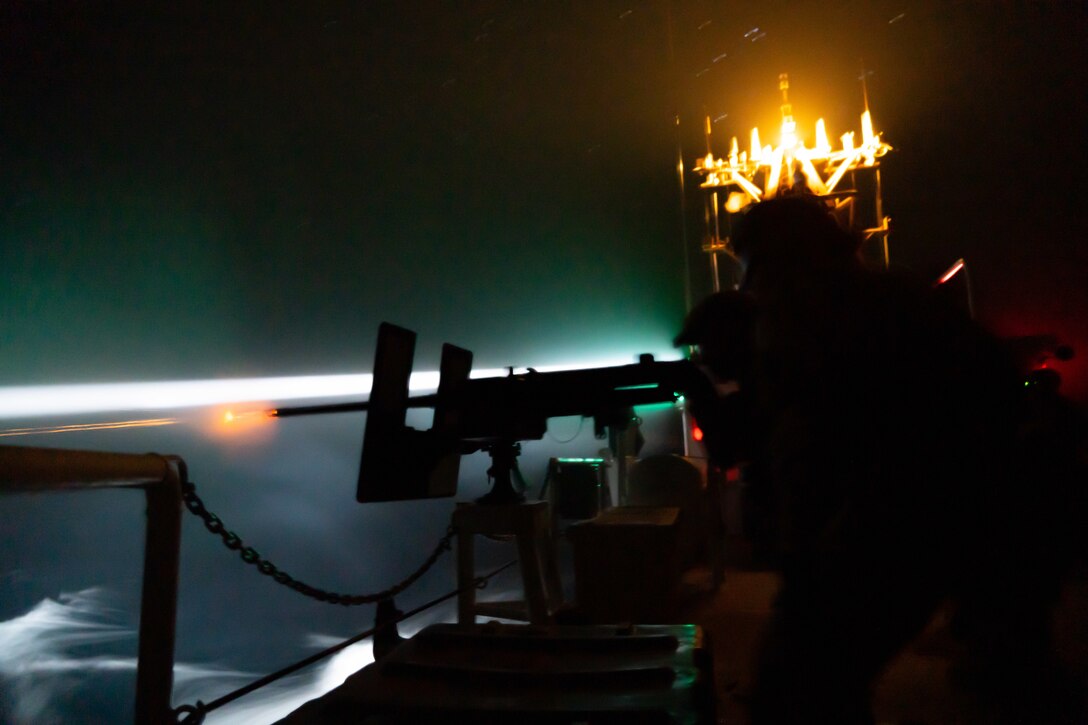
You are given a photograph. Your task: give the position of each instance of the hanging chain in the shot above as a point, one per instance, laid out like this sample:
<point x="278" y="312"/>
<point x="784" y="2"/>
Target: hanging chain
<point x="195" y="714"/>
<point x="250" y="556"/>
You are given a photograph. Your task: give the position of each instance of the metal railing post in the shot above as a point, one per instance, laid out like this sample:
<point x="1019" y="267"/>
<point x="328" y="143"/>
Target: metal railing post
<point x="158" y="602"/>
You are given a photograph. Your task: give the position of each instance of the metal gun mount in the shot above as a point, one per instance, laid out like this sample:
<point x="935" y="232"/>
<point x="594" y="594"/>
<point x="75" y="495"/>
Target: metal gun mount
<point x="491" y="414"/>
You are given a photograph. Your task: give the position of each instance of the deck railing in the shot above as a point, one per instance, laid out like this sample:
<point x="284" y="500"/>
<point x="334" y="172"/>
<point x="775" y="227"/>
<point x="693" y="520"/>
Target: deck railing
<point x="24" y="469"/>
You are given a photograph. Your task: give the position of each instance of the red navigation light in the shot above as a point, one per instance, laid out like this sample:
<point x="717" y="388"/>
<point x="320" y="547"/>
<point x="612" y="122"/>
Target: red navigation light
<point x="696" y="432"/>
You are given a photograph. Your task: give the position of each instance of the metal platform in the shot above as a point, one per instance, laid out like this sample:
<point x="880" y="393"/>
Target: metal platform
<point x="501" y="673"/>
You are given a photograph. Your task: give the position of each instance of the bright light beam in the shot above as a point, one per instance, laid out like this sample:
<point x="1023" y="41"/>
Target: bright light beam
<point x="33" y="401"/>
<point x="43" y="400"/>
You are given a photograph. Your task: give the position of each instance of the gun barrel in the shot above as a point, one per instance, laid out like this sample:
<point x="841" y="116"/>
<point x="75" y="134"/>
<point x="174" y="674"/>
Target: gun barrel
<point x="422" y="401"/>
<point x="490" y="403"/>
<point x="518" y="406"/>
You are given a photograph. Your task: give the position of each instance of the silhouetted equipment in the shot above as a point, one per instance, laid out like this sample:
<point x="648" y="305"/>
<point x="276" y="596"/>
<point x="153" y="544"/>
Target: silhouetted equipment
<point x="401" y="463"/>
<point x="676" y="481"/>
<point x="386" y="636"/>
<point x="528" y="523"/>
<point x="398" y="462"/>
<point x="626" y="565"/>
<point x="577" y="487"/>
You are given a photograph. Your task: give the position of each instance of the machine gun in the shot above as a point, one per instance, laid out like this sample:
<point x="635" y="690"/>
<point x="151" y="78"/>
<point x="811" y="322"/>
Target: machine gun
<point x="485" y="414"/>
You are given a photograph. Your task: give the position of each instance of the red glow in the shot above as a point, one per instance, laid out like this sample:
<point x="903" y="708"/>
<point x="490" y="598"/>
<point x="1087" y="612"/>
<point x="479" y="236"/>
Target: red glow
<point x="696" y="432"/>
<point x="1056" y="315"/>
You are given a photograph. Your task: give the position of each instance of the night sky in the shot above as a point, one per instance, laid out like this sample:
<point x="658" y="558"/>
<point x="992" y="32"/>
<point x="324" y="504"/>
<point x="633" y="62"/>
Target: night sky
<point x="217" y="190"/>
<point x="241" y="189"/>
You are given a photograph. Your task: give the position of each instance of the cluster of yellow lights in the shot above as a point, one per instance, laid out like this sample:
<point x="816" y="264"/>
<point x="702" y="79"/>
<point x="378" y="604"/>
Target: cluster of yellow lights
<point x="821" y="166"/>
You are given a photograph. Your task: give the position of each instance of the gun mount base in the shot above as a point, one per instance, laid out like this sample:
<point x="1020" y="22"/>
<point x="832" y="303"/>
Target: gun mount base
<point x="504" y="468"/>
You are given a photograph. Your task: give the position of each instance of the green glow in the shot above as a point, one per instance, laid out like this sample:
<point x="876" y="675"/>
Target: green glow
<point x="655" y="406"/>
<point x="595" y="461"/>
<point x="685" y="678"/>
<point x="662" y="406"/>
<point x="643" y="386"/>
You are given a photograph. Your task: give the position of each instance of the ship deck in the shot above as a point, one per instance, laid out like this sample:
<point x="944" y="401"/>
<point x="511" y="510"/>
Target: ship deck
<point x="915" y="688"/>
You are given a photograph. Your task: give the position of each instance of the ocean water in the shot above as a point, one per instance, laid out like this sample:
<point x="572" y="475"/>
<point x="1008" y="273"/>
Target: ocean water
<point x="70" y="566"/>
